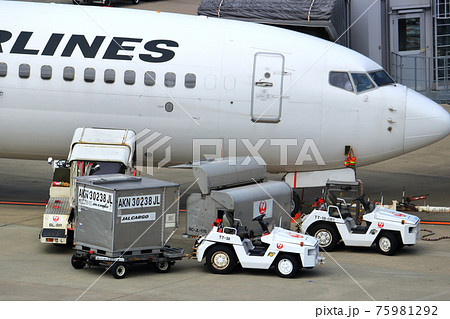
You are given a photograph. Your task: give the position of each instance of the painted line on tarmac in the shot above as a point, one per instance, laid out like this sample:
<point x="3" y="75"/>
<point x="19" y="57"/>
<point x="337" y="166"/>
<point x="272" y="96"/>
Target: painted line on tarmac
<point x="22" y="203"/>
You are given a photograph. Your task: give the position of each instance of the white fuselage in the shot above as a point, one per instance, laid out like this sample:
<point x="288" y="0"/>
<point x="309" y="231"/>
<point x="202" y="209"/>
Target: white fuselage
<point x="236" y="89"/>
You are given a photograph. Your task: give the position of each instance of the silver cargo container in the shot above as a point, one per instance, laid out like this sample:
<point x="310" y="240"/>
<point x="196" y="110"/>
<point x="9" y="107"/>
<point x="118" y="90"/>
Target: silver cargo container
<point x="239" y="187"/>
<point x="272" y="198"/>
<point x="116" y="214"/>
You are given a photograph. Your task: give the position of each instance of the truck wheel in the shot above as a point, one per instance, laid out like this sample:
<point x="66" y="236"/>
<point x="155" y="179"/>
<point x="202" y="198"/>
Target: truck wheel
<point x="77" y="262"/>
<point x="163" y="267"/>
<point x="326" y="235"/>
<point x="286" y="266"/>
<point x="387" y="243"/>
<point x="220" y="259"/>
<point x="119" y="270"/>
<point x="295" y="204"/>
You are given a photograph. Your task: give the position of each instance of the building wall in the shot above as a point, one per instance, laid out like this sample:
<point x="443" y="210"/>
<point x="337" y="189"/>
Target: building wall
<point x="375" y="32"/>
<point x="366" y="32"/>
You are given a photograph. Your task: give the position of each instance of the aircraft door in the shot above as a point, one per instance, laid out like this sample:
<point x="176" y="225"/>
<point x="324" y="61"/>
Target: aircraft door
<point x="267" y="87"/>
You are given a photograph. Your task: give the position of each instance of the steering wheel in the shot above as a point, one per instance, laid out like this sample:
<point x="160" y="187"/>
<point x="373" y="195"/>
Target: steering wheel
<point x="259" y="217"/>
<point x="263" y="225"/>
<point x="365" y="204"/>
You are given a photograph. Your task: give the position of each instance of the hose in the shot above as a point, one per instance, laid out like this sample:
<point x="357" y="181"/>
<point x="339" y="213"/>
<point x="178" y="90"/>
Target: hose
<point x="431" y="233"/>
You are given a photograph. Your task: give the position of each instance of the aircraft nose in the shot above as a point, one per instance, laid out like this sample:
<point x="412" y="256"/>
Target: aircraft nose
<point x="426" y="122"/>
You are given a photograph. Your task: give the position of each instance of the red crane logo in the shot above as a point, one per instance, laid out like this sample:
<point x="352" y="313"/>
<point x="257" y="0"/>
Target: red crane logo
<point x="262" y="207"/>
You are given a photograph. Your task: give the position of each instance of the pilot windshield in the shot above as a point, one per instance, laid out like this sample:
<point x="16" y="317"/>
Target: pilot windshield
<point x="362" y="82"/>
<point x="341" y="80"/>
<point x="381" y="78"/>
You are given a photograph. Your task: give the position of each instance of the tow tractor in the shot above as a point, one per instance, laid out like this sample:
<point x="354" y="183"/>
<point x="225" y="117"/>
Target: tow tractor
<point x="93" y="151"/>
<point x="388" y="229"/>
<point x="228" y="244"/>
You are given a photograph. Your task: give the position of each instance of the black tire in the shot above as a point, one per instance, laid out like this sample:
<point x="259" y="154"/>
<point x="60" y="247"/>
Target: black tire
<point x="387" y="243"/>
<point x="287" y="266"/>
<point x="119" y="270"/>
<point x="77" y="262"/>
<point x="326" y="234"/>
<point x="135" y="1"/>
<point x="295" y="205"/>
<point x="163" y="267"/>
<point x="220" y="259"/>
<point x="108" y="3"/>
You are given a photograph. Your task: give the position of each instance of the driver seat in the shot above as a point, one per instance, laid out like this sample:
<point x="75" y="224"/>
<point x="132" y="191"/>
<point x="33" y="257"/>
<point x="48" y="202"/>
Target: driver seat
<point x="331" y="199"/>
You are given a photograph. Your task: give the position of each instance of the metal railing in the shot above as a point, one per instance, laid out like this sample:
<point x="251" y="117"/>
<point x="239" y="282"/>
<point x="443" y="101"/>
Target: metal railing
<point x="428" y="75"/>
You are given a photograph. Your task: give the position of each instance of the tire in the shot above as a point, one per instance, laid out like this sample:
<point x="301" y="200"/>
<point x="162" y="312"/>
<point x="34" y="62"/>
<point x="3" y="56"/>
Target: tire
<point x="221" y="259"/>
<point x="135" y="1"/>
<point x="163" y="267"/>
<point x="326" y="234"/>
<point x="387" y="243"/>
<point x="286" y="266"/>
<point x="119" y="270"/>
<point x="295" y="205"/>
<point x="77" y="262"/>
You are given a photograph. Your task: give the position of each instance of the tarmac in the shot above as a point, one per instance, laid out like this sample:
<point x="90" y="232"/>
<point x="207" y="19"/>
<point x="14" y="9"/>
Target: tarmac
<point x="31" y="271"/>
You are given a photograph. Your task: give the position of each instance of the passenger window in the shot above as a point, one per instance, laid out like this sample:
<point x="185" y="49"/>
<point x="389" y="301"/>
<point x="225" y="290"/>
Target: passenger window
<point x="190" y="81"/>
<point x="170" y="79"/>
<point x="149" y="78"/>
<point x="341" y="80"/>
<point x="129" y="77"/>
<point x="46" y="72"/>
<point x="69" y="73"/>
<point x="110" y="76"/>
<point x="3" y="69"/>
<point x="24" y="71"/>
<point x="362" y="82"/>
<point x="89" y="75"/>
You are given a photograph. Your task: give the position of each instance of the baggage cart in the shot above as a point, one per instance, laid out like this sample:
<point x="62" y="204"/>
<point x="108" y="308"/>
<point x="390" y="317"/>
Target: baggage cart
<point x="122" y="220"/>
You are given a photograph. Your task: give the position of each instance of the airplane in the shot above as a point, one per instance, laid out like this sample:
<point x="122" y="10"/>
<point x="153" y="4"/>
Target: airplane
<point x="200" y="88"/>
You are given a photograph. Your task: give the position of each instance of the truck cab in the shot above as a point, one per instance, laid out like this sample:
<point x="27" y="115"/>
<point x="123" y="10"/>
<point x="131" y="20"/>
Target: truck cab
<point x="93" y="151"/>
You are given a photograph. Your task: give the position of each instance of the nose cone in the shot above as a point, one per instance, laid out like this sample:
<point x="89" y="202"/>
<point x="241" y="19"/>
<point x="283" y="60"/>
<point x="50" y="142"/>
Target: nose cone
<point x="426" y="122"/>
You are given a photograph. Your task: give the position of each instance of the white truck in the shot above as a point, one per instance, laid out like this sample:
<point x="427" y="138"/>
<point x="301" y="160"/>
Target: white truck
<point x="388" y="229"/>
<point x="226" y="246"/>
<point x="93" y="151"/>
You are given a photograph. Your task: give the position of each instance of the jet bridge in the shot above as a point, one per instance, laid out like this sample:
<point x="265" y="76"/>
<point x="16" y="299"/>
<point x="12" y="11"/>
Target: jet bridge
<point x="237" y="188"/>
<point x="327" y="19"/>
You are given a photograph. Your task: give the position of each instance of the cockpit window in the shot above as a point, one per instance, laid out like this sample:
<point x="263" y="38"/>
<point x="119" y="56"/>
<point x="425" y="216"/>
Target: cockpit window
<point x="362" y="82"/>
<point x="381" y="78"/>
<point x="341" y="80"/>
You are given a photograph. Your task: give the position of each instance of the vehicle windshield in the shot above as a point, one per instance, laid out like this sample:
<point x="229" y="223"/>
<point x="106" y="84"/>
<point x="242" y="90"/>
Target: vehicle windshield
<point x="87" y="168"/>
<point x="381" y="78"/>
<point x="101" y="168"/>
